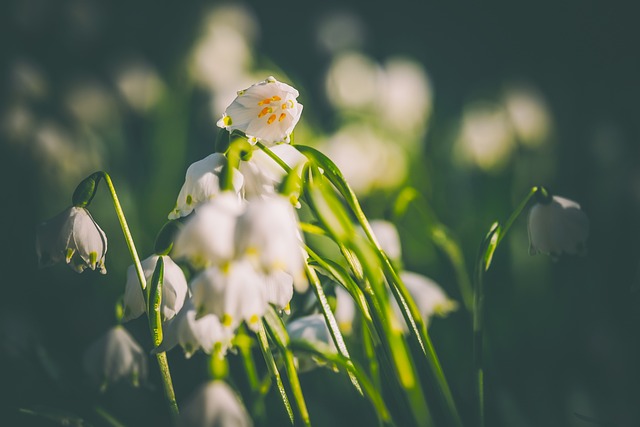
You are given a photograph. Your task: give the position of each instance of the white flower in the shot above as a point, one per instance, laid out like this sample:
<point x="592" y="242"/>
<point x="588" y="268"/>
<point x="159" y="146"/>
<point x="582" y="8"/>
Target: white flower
<point x="193" y="334"/>
<point x="313" y="329"/>
<point x="115" y="356"/>
<point x="234" y="293"/>
<point x="174" y="289"/>
<point x="262" y="174"/>
<point x="268" y="234"/>
<point x="207" y="238"/>
<point x="266" y="111"/>
<point x="74" y="236"/>
<point x="279" y="287"/>
<point x="214" y="404"/>
<point x="202" y="183"/>
<point x="387" y="235"/>
<point x="429" y="297"/>
<point x="557" y="226"/>
<point x="345" y="310"/>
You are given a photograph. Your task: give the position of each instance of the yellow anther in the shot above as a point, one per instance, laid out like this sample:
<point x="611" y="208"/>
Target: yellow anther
<point x="265" y="101"/>
<point x="254" y="319"/>
<point x="227" y="320"/>
<point x="272" y="118"/>
<point x="275" y="98"/>
<point x="282" y="117"/>
<point x="265" y="111"/>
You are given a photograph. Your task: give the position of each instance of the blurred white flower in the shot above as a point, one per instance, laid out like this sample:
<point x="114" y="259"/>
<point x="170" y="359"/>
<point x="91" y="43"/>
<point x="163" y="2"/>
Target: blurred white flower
<point x="314" y="330"/>
<point x="557" y="226"/>
<point x="529" y="115"/>
<point x="139" y="85"/>
<point x="268" y="234"/>
<point x="214" y="404"/>
<point x="387" y="235"/>
<point x="279" y="289"/>
<point x="115" y="356"/>
<point x="262" y="174"/>
<point x="192" y="333"/>
<point x="234" y="293"/>
<point x="345" y="312"/>
<point x="339" y="31"/>
<point x="202" y="183"/>
<point x="353" y="81"/>
<point x="174" y="289"/>
<point x="91" y="103"/>
<point x="266" y="111"/>
<point x="74" y="236"/>
<point x="207" y="238"/>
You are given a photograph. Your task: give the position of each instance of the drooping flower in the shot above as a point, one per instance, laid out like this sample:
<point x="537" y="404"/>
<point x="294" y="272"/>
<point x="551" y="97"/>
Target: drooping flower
<point x="192" y="333"/>
<point x="234" y="293"/>
<point x="557" y="225"/>
<point x="268" y="234"/>
<point x="267" y="112"/>
<point x="214" y="404"/>
<point x="387" y="235"/>
<point x="114" y="357"/>
<point x="313" y="329"/>
<point x="72" y="235"/>
<point x="279" y="286"/>
<point x="202" y="183"/>
<point x="174" y="289"/>
<point x="207" y="238"/>
<point x="345" y="312"/>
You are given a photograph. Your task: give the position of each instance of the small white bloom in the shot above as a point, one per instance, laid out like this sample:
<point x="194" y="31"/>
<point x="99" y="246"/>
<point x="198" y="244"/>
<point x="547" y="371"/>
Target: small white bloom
<point x="345" y="310"/>
<point x="74" y="236"/>
<point x="202" y="183"/>
<point x="313" y="329"/>
<point x="266" y="111"/>
<point x="207" y="238"/>
<point x="174" y="289"/>
<point x="214" y="404"/>
<point x="193" y="334"/>
<point x="262" y="174"/>
<point x="387" y="235"/>
<point x="429" y="297"/>
<point x="279" y="287"/>
<point x="234" y="293"/>
<point x="115" y="356"/>
<point x="558" y="226"/>
<point x="268" y="234"/>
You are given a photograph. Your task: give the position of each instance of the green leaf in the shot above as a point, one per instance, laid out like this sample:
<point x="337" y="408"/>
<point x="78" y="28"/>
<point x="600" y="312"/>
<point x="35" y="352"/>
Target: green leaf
<point x="86" y="190"/>
<point x="154" y="302"/>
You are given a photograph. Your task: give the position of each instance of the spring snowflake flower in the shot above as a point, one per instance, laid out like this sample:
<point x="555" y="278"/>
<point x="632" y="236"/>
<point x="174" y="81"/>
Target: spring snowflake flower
<point x="234" y="293"/>
<point x="115" y="356"/>
<point x="268" y="234"/>
<point x="207" y="238"/>
<point x="313" y="329"/>
<point x="202" y="183"/>
<point x="387" y="235"/>
<point x="192" y="333"/>
<point x="557" y="225"/>
<point x="174" y="289"/>
<point x="266" y="111"/>
<point x="345" y="310"/>
<point x="72" y="235"/>
<point x="214" y="404"/>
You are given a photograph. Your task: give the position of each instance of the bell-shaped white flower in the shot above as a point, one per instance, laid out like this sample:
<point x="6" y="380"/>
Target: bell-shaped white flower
<point x="114" y="357"/>
<point x="234" y="293"/>
<point x="192" y="333"/>
<point x="174" y="289"/>
<point x="267" y="111"/>
<point x="262" y="174"/>
<point x="345" y="312"/>
<point x="214" y="404"/>
<point x="312" y="328"/>
<point x="72" y="235"/>
<point x="268" y="234"/>
<point x="207" y="238"/>
<point x="279" y="288"/>
<point x="387" y="235"/>
<point x="558" y="226"/>
<point x="429" y="297"/>
<point x="202" y="183"/>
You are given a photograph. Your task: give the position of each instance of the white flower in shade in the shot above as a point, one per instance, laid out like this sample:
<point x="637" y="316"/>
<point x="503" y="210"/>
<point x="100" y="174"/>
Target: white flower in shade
<point x="74" y="236"/>
<point x="174" y="289"/>
<point x="193" y="334"/>
<point x="114" y="357"/>
<point x="279" y="289"/>
<point x="266" y="111"/>
<point x="268" y="234"/>
<point x="207" y="238"/>
<point x="345" y="310"/>
<point x="557" y="226"/>
<point x="314" y="330"/>
<point x="262" y="174"/>
<point x="234" y="293"/>
<point x="202" y="183"/>
<point x="214" y="404"/>
<point x="387" y="235"/>
<point x="429" y="297"/>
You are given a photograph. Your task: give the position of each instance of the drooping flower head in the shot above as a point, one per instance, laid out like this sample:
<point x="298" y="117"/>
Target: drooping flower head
<point x="74" y="236"/>
<point x="313" y="329"/>
<point x="267" y="112"/>
<point x="214" y="404"/>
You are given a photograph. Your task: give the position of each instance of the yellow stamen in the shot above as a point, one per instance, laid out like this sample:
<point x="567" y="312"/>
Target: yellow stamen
<point x="227" y="320"/>
<point x="282" y="117"/>
<point x="265" y="111"/>
<point x="272" y="118"/>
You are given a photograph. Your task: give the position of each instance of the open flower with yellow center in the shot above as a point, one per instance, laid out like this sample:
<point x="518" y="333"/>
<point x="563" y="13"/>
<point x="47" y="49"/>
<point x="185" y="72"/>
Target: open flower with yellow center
<point x="266" y="112"/>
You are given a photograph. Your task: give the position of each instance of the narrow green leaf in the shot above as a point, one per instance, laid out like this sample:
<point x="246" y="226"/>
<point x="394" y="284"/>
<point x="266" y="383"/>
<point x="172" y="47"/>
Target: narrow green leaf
<point x="154" y="302"/>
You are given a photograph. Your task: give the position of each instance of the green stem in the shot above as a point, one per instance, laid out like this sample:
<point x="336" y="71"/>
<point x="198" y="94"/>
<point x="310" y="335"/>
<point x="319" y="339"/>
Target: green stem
<point x="273" y="369"/>
<point x="273" y="156"/>
<point x="160" y="357"/>
<point x="516" y="213"/>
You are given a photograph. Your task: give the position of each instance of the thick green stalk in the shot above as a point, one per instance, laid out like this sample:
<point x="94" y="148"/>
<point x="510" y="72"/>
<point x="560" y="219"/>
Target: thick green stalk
<point x="273" y="370"/>
<point x="160" y="357"/>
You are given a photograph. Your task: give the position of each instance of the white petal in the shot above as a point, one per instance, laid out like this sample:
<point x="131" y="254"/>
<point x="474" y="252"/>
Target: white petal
<point x="214" y="404"/>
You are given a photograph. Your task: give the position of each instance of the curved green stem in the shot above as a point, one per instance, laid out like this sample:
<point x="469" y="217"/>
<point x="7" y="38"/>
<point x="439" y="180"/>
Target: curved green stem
<point x="160" y="357"/>
<point x="273" y="370"/>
